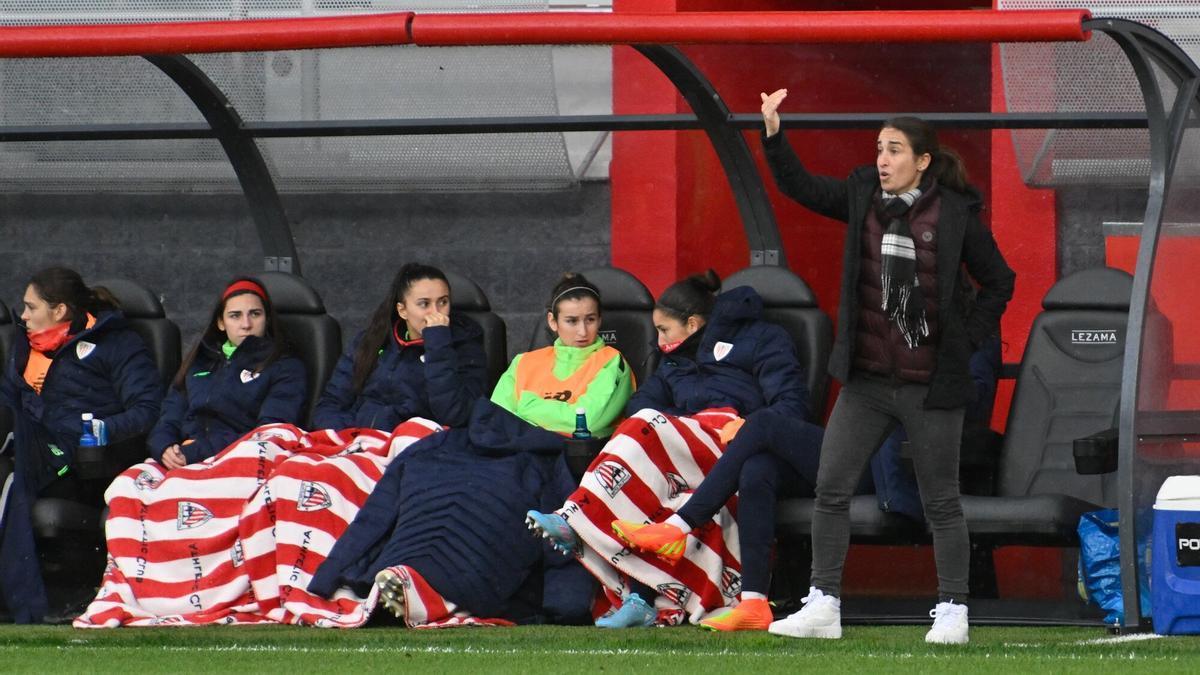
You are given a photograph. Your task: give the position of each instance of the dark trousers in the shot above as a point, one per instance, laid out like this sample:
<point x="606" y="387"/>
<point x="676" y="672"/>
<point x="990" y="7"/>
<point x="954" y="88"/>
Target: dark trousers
<point x="21" y="583"/>
<point x="771" y="456"/>
<point x="867" y="410"/>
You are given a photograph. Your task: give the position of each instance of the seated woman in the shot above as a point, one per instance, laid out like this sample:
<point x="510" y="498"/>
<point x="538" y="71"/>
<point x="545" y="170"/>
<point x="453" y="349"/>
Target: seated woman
<point x="546" y="387"/>
<point x="78" y="355"/>
<point x="445" y="521"/>
<point x="718" y="353"/>
<point x="240" y="375"/>
<point x="415" y="359"/>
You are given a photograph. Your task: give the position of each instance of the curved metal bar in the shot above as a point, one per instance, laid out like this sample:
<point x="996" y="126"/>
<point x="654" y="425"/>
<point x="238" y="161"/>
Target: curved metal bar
<point x="274" y="232"/>
<point x="1143" y="46"/>
<point x="762" y="232"/>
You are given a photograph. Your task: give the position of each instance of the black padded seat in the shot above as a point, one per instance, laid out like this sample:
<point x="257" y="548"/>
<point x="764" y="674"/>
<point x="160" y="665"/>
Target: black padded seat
<point x="467" y="297"/>
<point x="868" y="524"/>
<point x="1044" y="519"/>
<point x="144" y="311"/>
<point x="789" y="302"/>
<point x="1068" y="387"/>
<point x="315" y="336"/>
<point x="54" y="518"/>
<point x="627" y="323"/>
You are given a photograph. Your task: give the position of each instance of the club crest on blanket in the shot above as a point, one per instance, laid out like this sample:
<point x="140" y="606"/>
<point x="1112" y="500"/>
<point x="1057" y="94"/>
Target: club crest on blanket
<point x="146" y="481"/>
<point x="676" y="485"/>
<point x="731" y="583"/>
<point x="675" y="592"/>
<point x="313" y="497"/>
<point x="190" y="515"/>
<point x="612" y="477"/>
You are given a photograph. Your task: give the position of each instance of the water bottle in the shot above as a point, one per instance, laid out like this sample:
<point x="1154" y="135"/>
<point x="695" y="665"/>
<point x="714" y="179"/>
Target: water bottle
<point x="581" y="427"/>
<point x="88" y="439"/>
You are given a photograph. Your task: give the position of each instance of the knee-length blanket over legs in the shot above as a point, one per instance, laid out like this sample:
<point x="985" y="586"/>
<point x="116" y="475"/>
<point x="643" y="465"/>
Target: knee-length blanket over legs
<point x="236" y="538"/>
<point x="644" y="473"/>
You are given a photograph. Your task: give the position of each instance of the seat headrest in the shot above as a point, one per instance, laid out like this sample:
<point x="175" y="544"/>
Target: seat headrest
<point x="466" y="295"/>
<point x="1102" y="288"/>
<point x="137" y="302"/>
<point x="619" y="289"/>
<point x="777" y="286"/>
<point x="292" y="294"/>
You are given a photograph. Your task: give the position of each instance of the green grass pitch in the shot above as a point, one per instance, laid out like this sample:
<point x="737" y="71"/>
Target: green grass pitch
<point x="551" y="649"/>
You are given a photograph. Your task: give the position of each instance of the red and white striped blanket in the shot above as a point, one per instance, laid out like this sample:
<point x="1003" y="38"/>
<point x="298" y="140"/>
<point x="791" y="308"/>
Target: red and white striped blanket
<point x="236" y="538"/>
<point x="644" y="473"/>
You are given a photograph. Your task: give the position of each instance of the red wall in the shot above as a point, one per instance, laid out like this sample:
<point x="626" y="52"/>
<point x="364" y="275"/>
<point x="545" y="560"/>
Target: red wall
<point x="673" y="213"/>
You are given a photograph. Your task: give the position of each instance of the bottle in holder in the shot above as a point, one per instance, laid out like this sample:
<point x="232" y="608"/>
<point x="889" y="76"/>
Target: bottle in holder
<point x="88" y="438"/>
<point x="581" y="427"/>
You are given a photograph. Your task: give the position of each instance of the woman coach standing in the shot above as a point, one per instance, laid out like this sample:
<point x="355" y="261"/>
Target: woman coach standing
<point x="903" y="342"/>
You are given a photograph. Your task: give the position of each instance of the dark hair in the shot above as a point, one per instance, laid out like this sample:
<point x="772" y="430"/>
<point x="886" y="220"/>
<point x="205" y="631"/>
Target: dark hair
<point x="572" y="286"/>
<point x="946" y="166"/>
<point x="693" y="296"/>
<point x="63" y="286"/>
<point x="214" y="335"/>
<point x="366" y="355"/>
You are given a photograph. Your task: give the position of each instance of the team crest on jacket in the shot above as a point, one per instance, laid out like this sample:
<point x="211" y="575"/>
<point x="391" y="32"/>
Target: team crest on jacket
<point x="676" y="485"/>
<point x="83" y="348"/>
<point x="731" y="583"/>
<point x="238" y="556"/>
<point x="612" y="477"/>
<point x="313" y="497"/>
<point x="146" y="481"/>
<point x="721" y="350"/>
<point x="191" y="514"/>
<point x="249" y="376"/>
<point x="675" y="592"/>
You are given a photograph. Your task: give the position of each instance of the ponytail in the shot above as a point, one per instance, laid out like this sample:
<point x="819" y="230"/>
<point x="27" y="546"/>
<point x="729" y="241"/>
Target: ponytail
<point x="693" y="296"/>
<point x="946" y="165"/>
<point x="64" y="286"/>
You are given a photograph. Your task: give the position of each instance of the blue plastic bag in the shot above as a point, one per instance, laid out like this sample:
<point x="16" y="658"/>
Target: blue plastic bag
<point x="1100" y="565"/>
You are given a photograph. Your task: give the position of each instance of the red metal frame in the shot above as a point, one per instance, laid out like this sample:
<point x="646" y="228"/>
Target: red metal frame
<point x="542" y="28"/>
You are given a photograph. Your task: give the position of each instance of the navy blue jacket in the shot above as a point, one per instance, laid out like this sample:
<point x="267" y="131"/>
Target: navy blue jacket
<point x="225" y="399"/>
<point x="105" y="370"/>
<point x="452" y="506"/>
<point x="439" y="380"/>
<point x="760" y="369"/>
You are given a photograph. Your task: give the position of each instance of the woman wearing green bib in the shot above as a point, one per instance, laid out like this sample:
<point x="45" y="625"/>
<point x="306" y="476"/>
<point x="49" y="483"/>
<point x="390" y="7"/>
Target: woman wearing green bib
<point x="546" y="387"/>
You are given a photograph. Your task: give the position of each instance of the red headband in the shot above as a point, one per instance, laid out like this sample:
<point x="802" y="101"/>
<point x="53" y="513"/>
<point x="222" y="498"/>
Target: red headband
<point x="244" y="285"/>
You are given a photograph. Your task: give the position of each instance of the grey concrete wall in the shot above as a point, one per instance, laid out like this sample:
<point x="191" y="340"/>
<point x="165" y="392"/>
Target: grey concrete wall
<point x="514" y="245"/>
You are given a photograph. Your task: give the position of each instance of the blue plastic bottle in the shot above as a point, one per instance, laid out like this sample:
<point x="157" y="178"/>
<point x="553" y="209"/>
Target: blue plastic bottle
<point x="87" y="438"/>
<point x="581" y="427"/>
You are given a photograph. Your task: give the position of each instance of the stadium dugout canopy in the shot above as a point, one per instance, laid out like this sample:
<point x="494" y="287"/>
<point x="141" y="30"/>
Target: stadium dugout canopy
<point x="1068" y="109"/>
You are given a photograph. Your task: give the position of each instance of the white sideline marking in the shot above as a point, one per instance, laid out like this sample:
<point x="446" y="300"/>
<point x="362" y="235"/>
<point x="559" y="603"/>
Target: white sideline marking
<point x="484" y="651"/>
<point x="1132" y="637"/>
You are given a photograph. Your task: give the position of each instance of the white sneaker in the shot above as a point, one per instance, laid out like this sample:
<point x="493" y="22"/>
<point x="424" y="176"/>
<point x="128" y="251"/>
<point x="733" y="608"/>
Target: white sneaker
<point x="821" y="617"/>
<point x="949" y="624"/>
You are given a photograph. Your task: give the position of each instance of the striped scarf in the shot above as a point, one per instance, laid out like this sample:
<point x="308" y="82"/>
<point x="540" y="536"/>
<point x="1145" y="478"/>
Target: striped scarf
<point x="903" y="301"/>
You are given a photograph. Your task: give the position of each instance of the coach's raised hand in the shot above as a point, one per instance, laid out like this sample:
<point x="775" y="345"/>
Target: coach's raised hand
<point x="770" y="109"/>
